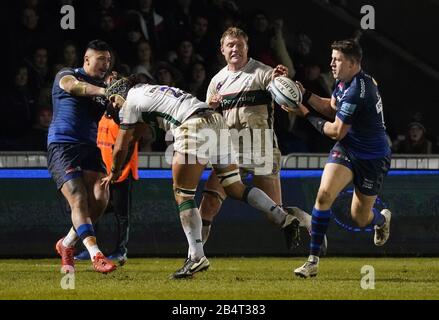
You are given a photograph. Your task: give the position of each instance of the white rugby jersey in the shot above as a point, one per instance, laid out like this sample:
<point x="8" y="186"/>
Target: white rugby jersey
<point x="243" y="92"/>
<point x="168" y="105"/>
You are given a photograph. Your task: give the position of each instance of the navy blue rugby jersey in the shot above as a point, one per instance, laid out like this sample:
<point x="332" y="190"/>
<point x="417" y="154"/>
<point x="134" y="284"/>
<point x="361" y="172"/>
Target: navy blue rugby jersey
<point x="75" y="119"/>
<point x="359" y="104"/>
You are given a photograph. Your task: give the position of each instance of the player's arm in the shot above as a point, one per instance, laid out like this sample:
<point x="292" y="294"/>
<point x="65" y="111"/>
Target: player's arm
<point x="79" y="88"/>
<point x="213" y="98"/>
<point x="336" y="130"/>
<point x="120" y="153"/>
<point x="324" y="106"/>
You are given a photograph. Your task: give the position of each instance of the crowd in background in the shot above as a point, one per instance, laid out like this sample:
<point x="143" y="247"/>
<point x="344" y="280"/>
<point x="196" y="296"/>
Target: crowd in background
<point x="169" y="42"/>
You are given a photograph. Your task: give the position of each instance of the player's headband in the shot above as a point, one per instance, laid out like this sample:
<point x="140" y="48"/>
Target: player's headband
<point x="119" y="87"/>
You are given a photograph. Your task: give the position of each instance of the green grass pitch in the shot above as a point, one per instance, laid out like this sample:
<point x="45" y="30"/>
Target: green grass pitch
<point x="228" y="278"/>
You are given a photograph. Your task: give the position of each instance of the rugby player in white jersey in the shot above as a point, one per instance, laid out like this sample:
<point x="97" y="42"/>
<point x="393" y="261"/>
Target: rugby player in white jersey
<point x="200" y="136"/>
<point x="239" y="92"/>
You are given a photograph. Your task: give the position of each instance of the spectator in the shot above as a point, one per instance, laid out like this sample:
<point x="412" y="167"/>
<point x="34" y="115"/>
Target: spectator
<point x="179" y="19"/>
<point x="167" y="75"/>
<point x="268" y="44"/>
<point x="38" y="68"/>
<point x="201" y="41"/>
<point x="145" y="62"/>
<point x="415" y="141"/>
<point x="146" y="23"/>
<point x="70" y="55"/>
<point x="36" y="140"/>
<point x="185" y="57"/>
<point x="29" y="34"/>
<point x="198" y="82"/>
<point x="18" y="108"/>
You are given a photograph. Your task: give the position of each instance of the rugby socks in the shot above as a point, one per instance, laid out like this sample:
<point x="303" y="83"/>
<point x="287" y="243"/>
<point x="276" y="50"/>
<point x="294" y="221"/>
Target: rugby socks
<point x="191" y="222"/>
<point x="205" y="232"/>
<point x="319" y="226"/>
<point x="258" y="199"/>
<point x="87" y="235"/>
<point x="378" y="218"/>
<point x="70" y="239"/>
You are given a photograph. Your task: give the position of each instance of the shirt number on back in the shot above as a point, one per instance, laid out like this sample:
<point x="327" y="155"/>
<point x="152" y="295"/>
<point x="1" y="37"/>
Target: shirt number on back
<point x="173" y="92"/>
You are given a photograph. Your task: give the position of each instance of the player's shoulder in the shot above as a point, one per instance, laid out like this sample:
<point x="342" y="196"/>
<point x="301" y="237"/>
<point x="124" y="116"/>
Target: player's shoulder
<point x="219" y="75"/>
<point x="66" y="71"/>
<point x="362" y="84"/>
<point x="257" y="65"/>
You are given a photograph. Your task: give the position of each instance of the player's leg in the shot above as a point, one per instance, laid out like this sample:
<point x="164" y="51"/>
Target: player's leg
<point x="368" y="181"/>
<point x="270" y="184"/>
<point x="334" y="179"/>
<point x="186" y="176"/>
<point x="230" y="179"/>
<point x="121" y="200"/>
<point x="213" y="197"/>
<point x="75" y="193"/>
<point x="97" y="200"/>
<point x="98" y="196"/>
<point x="362" y="210"/>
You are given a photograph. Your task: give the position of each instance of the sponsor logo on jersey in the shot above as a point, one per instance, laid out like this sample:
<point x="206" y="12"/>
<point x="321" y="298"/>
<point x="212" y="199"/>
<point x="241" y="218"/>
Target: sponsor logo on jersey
<point x="347" y="109"/>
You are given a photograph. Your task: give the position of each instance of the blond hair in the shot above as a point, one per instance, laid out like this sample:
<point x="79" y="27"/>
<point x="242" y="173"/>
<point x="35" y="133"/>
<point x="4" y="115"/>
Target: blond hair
<point x="234" y="32"/>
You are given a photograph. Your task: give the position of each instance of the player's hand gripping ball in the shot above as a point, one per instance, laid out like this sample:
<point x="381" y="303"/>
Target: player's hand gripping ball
<point x="285" y="92"/>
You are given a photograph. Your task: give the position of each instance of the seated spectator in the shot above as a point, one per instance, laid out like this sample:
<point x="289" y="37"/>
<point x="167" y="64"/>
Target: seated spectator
<point x="185" y="57"/>
<point x="198" y="81"/>
<point x="36" y="140"/>
<point x="69" y="56"/>
<point x="145" y="62"/>
<point x="415" y="141"/>
<point x="145" y="23"/>
<point x="18" y="108"/>
<point x="167" y="75"/>
<point x="267" y="43"/>
<point x="203" y="44"/>
<point x="38" y="68"/>
<point x="29" y="33"/>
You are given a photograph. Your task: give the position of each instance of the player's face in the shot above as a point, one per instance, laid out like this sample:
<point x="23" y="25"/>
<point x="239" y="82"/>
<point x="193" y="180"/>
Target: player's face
<point x="235" y="51"/>
<point x="97" y="63"/>
<point x="342" y="68"/>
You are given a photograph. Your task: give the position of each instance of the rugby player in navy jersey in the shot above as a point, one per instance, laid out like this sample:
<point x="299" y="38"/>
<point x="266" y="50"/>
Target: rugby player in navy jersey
<point x="361" y="154"/>
<point x="74" y="160"/>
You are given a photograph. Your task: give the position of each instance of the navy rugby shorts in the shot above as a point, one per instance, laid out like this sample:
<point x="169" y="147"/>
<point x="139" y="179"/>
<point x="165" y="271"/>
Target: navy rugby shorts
<point x="368" y="174"/>
<point x="66" y="161"/>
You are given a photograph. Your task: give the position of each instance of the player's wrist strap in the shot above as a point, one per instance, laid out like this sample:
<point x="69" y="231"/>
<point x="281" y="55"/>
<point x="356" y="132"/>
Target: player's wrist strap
<point x="316" y="122"/>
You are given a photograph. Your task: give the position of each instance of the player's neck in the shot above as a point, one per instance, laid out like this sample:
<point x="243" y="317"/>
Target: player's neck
<point x="352" y="75"/>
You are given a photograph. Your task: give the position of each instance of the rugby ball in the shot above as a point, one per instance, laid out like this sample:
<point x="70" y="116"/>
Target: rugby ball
<point x="285" y="92"/>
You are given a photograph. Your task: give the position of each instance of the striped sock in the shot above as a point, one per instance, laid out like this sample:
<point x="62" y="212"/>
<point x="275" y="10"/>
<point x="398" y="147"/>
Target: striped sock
<point x="319" y="226"/>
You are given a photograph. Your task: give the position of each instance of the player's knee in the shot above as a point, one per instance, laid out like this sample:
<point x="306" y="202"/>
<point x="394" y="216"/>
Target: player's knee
<point x="324" y="198"/>
<point x="102" y="197"/>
